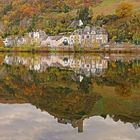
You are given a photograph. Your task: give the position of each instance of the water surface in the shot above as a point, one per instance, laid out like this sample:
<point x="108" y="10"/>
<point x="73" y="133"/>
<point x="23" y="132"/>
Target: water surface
<point x="69" y="97"/>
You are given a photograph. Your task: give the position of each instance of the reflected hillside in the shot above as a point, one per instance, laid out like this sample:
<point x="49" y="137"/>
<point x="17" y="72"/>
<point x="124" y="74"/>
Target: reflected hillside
<point x="124" y="76"/>
<point x="69" y="92"/>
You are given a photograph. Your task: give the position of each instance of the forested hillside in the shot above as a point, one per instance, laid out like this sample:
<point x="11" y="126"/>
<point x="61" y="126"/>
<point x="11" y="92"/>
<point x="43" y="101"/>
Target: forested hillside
<point x="18" y="17"/>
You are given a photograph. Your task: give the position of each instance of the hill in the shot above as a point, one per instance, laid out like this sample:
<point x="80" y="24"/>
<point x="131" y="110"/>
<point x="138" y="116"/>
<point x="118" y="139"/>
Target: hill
<point x="53" y="16"/>
<point x="109" y="6"/>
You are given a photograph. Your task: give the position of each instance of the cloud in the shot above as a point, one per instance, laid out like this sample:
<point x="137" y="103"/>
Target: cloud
<point x="25" y="122"/>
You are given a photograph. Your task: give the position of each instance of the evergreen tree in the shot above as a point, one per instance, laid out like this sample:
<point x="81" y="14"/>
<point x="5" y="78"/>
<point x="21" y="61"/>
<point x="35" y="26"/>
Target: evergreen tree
<point x="83" y="14"/>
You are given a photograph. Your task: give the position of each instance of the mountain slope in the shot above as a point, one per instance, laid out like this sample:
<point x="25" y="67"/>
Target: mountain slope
<point x="109" y="6"/>
<point x="52" y="16"/>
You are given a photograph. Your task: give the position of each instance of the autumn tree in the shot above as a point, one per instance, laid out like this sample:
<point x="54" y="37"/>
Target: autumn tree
<point x="27" y="10"/>
<point x="124" y="10"/>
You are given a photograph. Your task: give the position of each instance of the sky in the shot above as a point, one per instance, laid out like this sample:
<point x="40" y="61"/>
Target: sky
<point x="25" y="122"/>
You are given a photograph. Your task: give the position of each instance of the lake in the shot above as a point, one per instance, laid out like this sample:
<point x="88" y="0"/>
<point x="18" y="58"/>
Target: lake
<point x="69" y="96"/>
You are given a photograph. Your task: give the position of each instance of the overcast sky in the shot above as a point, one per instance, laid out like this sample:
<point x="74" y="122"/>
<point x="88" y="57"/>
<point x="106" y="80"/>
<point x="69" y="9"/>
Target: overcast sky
<point x="25" y="122"/>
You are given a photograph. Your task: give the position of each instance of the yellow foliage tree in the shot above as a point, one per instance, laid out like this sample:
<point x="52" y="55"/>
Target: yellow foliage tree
<point x="124" y="9"/>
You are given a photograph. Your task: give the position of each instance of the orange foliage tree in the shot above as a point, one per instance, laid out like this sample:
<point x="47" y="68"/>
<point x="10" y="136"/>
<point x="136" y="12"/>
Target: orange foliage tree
<point x="27" y="10"/>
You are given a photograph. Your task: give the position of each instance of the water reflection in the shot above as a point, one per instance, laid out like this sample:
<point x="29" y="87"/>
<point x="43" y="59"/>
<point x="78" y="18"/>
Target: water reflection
<point x="82" y="64"/>
<point x="25" y="122"/>
<point x="75" y="90"/>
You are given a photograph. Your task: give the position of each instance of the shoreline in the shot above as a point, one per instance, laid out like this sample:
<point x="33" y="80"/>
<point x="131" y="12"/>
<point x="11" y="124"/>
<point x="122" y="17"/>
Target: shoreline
<point x="71" y="50"/>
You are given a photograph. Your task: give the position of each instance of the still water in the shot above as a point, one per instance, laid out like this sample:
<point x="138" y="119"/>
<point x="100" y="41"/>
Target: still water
<point x="69" y="97"/>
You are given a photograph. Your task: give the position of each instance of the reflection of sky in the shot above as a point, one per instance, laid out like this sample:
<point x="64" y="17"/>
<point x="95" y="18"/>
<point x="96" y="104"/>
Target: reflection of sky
<point x="25" y="122"/>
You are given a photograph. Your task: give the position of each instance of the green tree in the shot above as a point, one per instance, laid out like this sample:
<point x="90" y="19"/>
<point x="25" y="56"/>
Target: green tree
<point x="83" y="14"/>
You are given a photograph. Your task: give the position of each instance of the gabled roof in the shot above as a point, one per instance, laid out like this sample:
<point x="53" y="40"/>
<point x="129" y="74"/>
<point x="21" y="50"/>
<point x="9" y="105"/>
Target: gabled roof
<point x="76" y="23"/>
<point x="87" y="29"/>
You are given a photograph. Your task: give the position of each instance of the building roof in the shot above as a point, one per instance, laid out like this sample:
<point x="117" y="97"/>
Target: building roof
<point x="88" y="30"/>
<point x="76" y="23"/>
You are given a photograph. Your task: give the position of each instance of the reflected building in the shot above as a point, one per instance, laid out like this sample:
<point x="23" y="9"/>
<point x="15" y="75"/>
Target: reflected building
<point x="136" y="125"/>
<point x="88" y="66"/>
<point x="75" y="124"/>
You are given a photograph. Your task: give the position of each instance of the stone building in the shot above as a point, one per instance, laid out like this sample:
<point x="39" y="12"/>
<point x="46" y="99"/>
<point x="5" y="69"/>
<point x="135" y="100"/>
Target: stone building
<point x="89" y="36"/>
